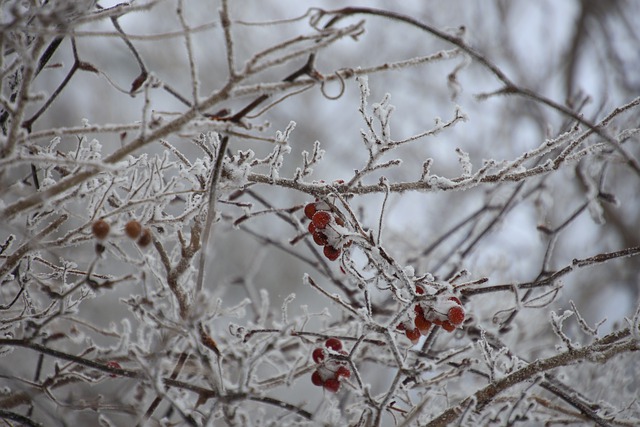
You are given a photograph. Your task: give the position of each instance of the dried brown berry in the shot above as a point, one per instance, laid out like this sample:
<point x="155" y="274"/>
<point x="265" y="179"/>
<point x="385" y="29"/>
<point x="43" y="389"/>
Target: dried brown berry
<point x="133" y="229"/>
<point x="145" y="238"/>
<point x="100" y="229"/>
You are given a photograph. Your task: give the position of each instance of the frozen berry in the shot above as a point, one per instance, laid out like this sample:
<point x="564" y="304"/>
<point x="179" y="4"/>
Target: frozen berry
<point x="321" y="219"/>
<point x="419" y="290"/>
<point x="448" y="326"/>
<point x="343" y="372"/>
<point x="332" y="385"/>
<point x="309" y="210"/>
<point x="422" y="324"/>
<point x="316" y="379"/>
<point x="413" y="335"/>
<point x="312" y="228"/>
<point x="331" y="252"/>
<point x="320" y="238"/>
<point x="456" y="315"/>
<point x="318" y="355"/>
<point x="133" y="229"/>
<point x="455" y="299"/>
<point x="334" y="344"/>
<point x="100" y="229"/>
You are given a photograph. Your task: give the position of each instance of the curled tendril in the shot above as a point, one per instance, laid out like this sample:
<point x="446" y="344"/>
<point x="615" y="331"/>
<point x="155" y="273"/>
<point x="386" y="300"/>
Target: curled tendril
<point x="340" y="93"/>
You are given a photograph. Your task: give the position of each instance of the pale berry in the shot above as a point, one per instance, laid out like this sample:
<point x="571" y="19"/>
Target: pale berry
<point x="332" y="385"/>
<point x="316" y="379"/>
<point x="321" y="219"/>
<point x="100" y="229"/>
<point x="334" y="344"/>
<point x="331" y="253"/>
<point x="309" y="210"/>
<point x="318" y="355"/>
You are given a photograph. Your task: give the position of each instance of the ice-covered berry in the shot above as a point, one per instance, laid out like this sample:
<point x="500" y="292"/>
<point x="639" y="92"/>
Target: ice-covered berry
<point x="343" y="372"/>
<point x="422" y="324"/>
<point x="331" y="253"/>
<point x="318" y="355"/>
<point x="334" y="344"/>
<point x="320" y="238"/>
<point x="316" y="379"/>
<point x="332" y="385"/>
<point x="309" y="210"/>
<point x="456" y="315"/>
<point x="413" y="335"/>
<point x="448" y="326"/>
<point x="321" y="219"/>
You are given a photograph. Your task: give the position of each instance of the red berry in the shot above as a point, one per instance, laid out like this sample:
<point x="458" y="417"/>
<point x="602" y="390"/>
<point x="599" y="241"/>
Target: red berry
<point x="316" y="379"/>
<point x="455" y="299"/>
<point x="309" y="210"/>
<point x="334" y="344"/>
<point x="311" y="228"/>
<point x="332" y="385"/>
<point x="456" y="315"/>
<point x="422" y="324"/>
<point x="320" y="238"/>
<point x="100" y="229"/>
<point x="413" y="335"/>
<point x="343" y="371"/>
<point x="419" y="290"/>
<point x="418" y="309"/>
<point x="321" y="219"/>
<point x="400" y="327"/>
<point x="448" y="326"/>
<point x="331" y="252"/>
<point x="318" y="355"/>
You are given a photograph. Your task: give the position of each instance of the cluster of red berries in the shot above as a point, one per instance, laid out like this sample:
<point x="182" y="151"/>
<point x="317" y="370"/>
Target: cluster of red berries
<point x="447" y="313"/>
<point x="324" y="228"/>
<point x="133" y="229"/>
<point x="330" y="370"/>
